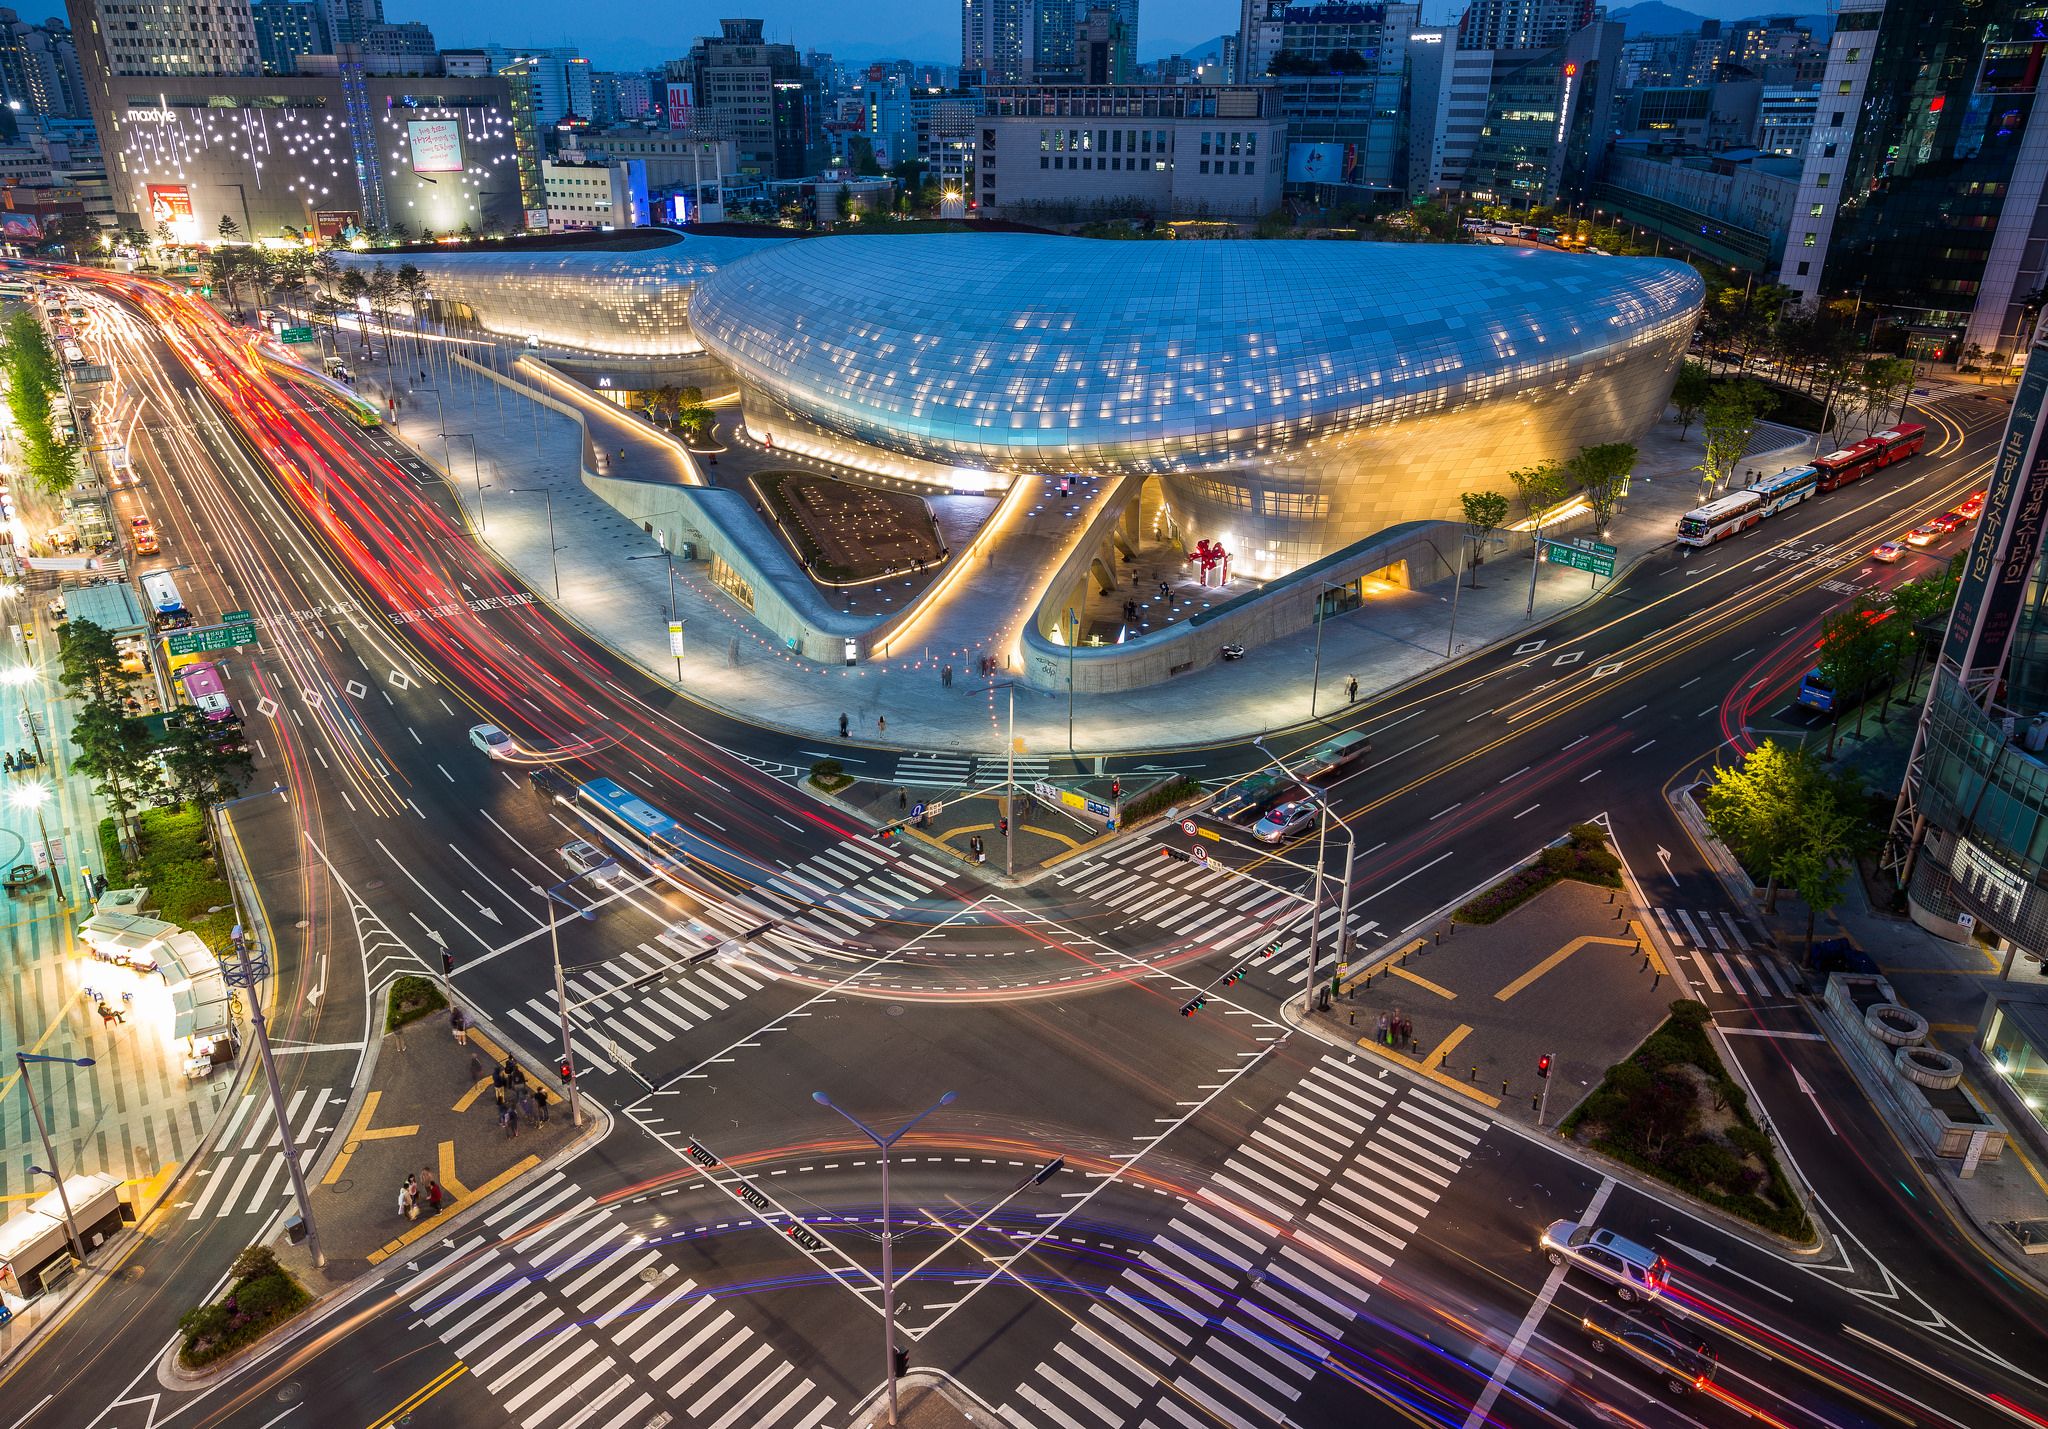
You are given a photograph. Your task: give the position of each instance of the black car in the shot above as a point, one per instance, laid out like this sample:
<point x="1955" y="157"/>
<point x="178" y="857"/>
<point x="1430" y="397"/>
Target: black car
<point x="1655" y="1341"/>
<point x="552" y="785"/>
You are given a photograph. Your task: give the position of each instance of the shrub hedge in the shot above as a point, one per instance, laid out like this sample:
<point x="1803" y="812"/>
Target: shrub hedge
<point x="1178" y="790"/>
<point x="1585" y="857"/>
<point x="262" y="1296"/>
<point x="412" y="997"/>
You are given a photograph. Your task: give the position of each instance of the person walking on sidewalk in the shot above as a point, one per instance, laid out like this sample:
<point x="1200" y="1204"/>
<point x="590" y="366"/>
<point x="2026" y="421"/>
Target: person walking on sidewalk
<point x="404" y="1197"/>
<point x="460" y="1024"/>
<point x="433" y="1197"/>
<point x="476" y="1069"/>
<point x="511" y="1123"/>
<point x="540" y="1105"/>
<point x="499" y="1093"/>
<point x="526" y="1107"/>
<point x="1351" y="691"/>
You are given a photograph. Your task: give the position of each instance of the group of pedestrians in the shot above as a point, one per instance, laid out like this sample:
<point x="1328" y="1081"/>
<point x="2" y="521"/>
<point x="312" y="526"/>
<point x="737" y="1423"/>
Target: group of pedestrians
<point x="1394" y="1030"/>
<point x="418" y="1191"/>
<point x="515" y="1096"/>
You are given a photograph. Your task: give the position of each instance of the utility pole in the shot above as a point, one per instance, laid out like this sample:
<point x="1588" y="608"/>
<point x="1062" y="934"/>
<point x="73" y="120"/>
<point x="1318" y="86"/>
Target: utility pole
<point x="562" y="1008"/>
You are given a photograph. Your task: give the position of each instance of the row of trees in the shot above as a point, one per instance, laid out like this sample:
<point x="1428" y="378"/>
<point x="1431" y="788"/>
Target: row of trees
<point x="1791" y="821"/>
<point x="33" y="382"/>
<point x="681" y="408"/>
<point x="1868" y="644"/>
<point x="1597" y="473"/>
<point x="132" y="768"/>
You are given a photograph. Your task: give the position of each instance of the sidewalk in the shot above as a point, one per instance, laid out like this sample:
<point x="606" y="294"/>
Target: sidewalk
<point x="732" y="665"/>
<point x="420" y="1113"/>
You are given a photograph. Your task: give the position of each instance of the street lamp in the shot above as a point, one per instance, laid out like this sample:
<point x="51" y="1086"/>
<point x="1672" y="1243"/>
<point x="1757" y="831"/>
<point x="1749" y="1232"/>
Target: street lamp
<point x="26" y="675"/>
<point x="675" y="625"/>
<point x="475" y="470"/>
<point x="540" y="491"/>
<point x="32" y="794"/>
<point x="22" y="1059"/>
<point x="1322" y="613"/>
<point x="882" y="1144"/>
<point x="1315" y="917"/>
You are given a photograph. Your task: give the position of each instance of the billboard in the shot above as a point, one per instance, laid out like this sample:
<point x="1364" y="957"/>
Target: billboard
<point x="1322" y="163"/>
<point x="20" y="225"/>
<point x="336" y="225"/>
<point x="170" y="205"/>
<point x="2008" y="536"/>
<point x="682" y="100"/>
<point x="436" y="145"/>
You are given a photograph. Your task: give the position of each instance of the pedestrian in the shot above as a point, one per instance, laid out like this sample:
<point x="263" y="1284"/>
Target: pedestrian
<point x="504" y="1118"/>
<point x="404" y="1198"/>
<point x="946" y="677"/>
<point x="1379" y="1030"/>
<point x="902" y="800"/>
<point x="498" y="1078"/>
<point x="511" y="1123"/>
<point x="1351" y="691"/>
<point x="881" y="724"/>
<point x="433" y="1197"/>
<point x="499" y="1093"/>
<point x="460" y="1024"/>
<point x="540" y="1105"/>
<point x="842" y="726"/>
<point x="526" y="1106"/>
<point x="1003" y="827"/>
<point x="476" y="1069"/>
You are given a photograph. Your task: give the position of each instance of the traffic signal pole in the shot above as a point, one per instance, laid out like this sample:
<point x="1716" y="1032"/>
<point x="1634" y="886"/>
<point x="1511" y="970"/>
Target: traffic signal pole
<point x="1543" y="1096"/>
<point x="562" y="1008"/>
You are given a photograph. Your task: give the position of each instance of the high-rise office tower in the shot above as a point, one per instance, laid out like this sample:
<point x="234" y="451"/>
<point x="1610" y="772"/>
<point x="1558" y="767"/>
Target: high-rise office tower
<point x="998" y="39"/>
<point x="137" y="37"/>
<point x="1522" y="24"/>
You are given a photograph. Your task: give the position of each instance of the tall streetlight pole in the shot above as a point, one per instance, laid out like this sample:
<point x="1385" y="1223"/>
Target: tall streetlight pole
<point x="1316" y="679"/>
<point x="549" y="495"/>
<point x="1073" y="635"/>
<point x="475" y="470"/>
<point x="26" y="675"/>
<point x="674" y="623"/>
<point x="1315" y="921"/>
<point x="562" y="1003"/>
<point x="882" y="1144"/>
<point x="21" y="1060"/>
<point x="33" y="794"/>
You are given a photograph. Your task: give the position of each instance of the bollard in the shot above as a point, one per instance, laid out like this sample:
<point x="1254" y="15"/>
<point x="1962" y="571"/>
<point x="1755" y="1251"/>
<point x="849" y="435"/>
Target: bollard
<point x="1617" y="914"/>
<point x="1414" y="1045"/>
<point x="1354" y="1019"/>
<point x="1656" y="978"/>
<point x="1610" y="895"/>
<point x="1646" y="963"/>
<point x="1439" y="937"/>
<point x="1534" y="1099"/>
<point x="1503" y="1091"/>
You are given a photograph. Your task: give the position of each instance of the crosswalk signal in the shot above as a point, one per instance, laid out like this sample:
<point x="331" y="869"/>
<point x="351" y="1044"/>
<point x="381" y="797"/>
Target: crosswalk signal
<point x="889" y="832"/>
<point x="565" y="1071"/>
<point x="1543" y="1065"/>
<point x="1193" y="1005"/>
<point x="899" y="1361"/>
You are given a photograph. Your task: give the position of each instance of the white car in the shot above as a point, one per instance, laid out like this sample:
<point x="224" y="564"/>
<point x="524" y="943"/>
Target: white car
<point x="1287" y="821"/>
<point x="585" y="857"/>
<point x="492" y="741"/>
<point x="1635" y="1271"/>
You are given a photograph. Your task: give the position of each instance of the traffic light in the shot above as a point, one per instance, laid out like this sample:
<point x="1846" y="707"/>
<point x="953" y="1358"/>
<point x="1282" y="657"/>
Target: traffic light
<point x="448" y="965"/>
<point x="1193" y="1005"/>
<point x="568" y="1073"/>
<point x="1543" y="1065"/>
<point x="1234" y="975"/>
<point x="1178" y="855"/>
<point x="1269" y="950"/>
<point x="889" y="832"/>
<point x="899" y="1361"/>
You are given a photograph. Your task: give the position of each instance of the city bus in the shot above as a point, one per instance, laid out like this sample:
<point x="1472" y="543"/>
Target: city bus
<point x="1721" y="518"/>
<point x="663" y="842"/>
<point x="1898" y="443"/>
<point x="205" y="689"/>
<point x="1815" y="693"/>
<point x="1842" y="467"/>
<point x="1788" y="488"/>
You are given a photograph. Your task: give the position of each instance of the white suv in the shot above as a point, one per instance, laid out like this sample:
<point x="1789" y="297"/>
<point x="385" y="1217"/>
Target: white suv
<point x="1636" y="1271"/>
<point x="585" y="857"/>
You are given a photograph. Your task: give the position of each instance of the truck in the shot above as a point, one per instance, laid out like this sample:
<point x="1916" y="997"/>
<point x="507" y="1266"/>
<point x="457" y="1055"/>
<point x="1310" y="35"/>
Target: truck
<point x="164" y="598"/>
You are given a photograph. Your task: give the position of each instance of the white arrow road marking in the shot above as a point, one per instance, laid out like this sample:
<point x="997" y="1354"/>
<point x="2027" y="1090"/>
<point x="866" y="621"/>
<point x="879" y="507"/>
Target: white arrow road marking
<point x="1664" y="857"/>
<point x="320" y="990"/>
<point x="400" y="865"/>
<point x="1806" y="1090"/>
<point x="538" y="921"/>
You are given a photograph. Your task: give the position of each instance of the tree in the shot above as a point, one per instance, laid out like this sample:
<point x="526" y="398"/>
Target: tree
<point x="1784" y="816"/>
<point x="1831" y="836"/>
<point x="115" y="749"/>
<point x="90" y="668"/>
<point x="1882" y="385"/>
<point x="1860" y="650"/>
<point x="1690" y="393"/>
<point x="1539" y="486"/>
<point x="1728" y="422"/>
<point x="1485" y="513"/>
<point x="1602" y="472"/>
<point x="204" y="762"/>
<point x="228" y="229"/>
<point x="690" y="412"/>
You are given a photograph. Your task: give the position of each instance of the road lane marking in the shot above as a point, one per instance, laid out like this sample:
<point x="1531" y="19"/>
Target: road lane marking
<point x="1482" y="1407"/>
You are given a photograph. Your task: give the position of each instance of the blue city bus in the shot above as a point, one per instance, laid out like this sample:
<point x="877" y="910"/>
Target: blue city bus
<point x="1815" y="693"/>
<point x="665" y="843"/>
<point x="1787" y="488"/>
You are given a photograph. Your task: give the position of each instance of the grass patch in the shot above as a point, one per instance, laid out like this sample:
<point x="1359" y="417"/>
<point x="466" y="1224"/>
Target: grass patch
<point x="261" y="1296"/>
<point x="1672" y="1111"/>
<point x="1177" y="790"/>
<point x="412" y="998"/>
<point x="177" y="866"/>
<point x="830" y="775"/>
<point x="1584" y="857"/>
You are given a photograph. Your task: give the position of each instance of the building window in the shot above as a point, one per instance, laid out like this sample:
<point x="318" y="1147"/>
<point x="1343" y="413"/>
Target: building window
<point x="1844" y="87"/>
<point x="1810" y="240"/>
<point x="1802" y="269"/>
<point x="1817" y="210"/>
<point x="1205" y="166"/>
<point x="1233" y="166"/>
<point x="1820" y="181"/>
<point x="1837" y="120"/>
<point x="1853" y="56"/>
<point x="1044" y="162"/>
<point x="1827" y="151"/>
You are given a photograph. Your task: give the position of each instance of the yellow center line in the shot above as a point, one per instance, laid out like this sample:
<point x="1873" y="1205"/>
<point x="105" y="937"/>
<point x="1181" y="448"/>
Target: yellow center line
<point x="433" y="1387"/>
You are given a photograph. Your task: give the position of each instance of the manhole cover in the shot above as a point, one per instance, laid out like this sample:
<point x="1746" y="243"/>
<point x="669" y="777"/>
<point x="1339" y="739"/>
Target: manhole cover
<point x="653" y="1273"/>
<point x="290" y="1393"/>
<point x="895" y="1011"/>
<point x="300" y="924"/>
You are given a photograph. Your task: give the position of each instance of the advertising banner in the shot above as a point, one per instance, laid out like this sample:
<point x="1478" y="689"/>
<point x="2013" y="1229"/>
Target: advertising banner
<point x="170" y="205"/>
<point x="333" y="225"/>
<point x="2007" y="538"/>
<point x="1322" y="163"/>
<point x="436" y="145"/>
<point x="682" y="101"/>
<point x="20" y="225"/>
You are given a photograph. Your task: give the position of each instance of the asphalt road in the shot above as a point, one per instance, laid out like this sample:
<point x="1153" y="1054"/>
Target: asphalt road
<point x="1245" y="1227"/>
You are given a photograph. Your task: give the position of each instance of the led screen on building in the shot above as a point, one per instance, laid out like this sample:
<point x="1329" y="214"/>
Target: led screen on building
<point x="1322" y="163"/>
<point x="170" y="206"/>
<point x="436" y="146"/>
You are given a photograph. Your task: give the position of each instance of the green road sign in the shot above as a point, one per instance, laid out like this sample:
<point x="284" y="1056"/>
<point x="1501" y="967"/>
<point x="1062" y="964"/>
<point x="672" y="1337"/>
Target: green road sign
<point x="1594" y="557"/>
<point x="238" y="629"/>
<point x="296" y="334"/>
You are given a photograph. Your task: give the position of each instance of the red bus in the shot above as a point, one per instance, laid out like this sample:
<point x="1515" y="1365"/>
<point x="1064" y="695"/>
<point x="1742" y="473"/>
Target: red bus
<point x="1842" y="467"/>
<point x="1900" y="442"/>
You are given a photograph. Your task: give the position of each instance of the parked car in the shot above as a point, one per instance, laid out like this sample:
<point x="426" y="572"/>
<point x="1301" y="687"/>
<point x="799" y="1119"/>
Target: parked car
<point x="1287" y="821"/>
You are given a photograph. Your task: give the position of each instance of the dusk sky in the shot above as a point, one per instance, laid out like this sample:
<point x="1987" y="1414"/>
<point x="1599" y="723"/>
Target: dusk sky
<point x="628" y="34"/>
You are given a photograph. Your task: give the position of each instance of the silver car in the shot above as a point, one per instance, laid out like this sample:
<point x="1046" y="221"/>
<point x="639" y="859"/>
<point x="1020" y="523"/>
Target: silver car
<point x="585" y="857"/>
<point x="1287" y="821"/>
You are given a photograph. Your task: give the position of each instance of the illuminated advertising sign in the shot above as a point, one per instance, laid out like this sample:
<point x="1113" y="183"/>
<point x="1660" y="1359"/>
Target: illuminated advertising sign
<point x="336" y="225"/>
<point x="682" y="99"/>
<point x="436" y="146"/>
<point x="170" y="206"/>
<point x="1322" y="163"/>
<point x="2007" y="538"/>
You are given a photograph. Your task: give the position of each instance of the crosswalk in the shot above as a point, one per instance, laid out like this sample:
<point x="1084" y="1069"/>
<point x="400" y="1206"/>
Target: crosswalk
<point x="1230" y="1313"/>
<point x="1726" y="957"/>
<point x="796" y="924"/>
<point x="247" y="1175"/>
<point x="1209" y="905"/>
<point x="959" y="773"/>
<point x="579" y="1323"/>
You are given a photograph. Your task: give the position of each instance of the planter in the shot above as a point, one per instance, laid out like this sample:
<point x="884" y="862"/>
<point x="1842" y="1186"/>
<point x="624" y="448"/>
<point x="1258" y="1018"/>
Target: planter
<point x="1928" y="1067"/>
<point x="1895" y="1026"/>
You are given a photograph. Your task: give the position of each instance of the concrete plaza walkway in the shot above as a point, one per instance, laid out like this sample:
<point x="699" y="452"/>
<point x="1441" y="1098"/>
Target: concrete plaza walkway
<point x="503" y="464"/>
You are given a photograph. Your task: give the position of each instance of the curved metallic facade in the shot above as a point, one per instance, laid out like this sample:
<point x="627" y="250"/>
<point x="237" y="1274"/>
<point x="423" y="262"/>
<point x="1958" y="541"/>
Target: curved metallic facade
<point x="1293" y="396"/>
<point x="633" y="302"/>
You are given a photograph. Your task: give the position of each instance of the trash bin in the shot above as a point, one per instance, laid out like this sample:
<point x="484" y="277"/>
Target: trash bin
<point x="295" y="1229"/>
